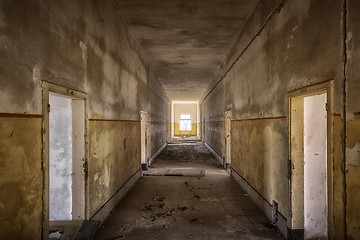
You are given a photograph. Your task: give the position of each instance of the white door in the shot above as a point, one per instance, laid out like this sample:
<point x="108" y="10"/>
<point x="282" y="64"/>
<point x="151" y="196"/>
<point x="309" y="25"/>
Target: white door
<point x="315" y="167"/>
<point x="308" y="168"/>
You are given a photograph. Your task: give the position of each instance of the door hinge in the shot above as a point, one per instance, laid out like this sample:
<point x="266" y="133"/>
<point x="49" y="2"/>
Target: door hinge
<point x="48" y="108"/>
<point x="326" y="107"/>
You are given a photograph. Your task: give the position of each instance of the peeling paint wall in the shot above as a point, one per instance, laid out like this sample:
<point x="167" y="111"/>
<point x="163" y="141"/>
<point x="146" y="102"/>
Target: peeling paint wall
<point x="85" y="46"/>
<point x="279" y="51"/>
<point x="20" y="177"/>
<point x="353" y="121"/>
<point x="158" y="110"/>
<point x="114" y="148"/>
<point x="260" y="162"/>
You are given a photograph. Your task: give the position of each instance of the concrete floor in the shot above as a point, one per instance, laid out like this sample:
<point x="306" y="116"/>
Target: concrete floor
<point x="187" y="207"/>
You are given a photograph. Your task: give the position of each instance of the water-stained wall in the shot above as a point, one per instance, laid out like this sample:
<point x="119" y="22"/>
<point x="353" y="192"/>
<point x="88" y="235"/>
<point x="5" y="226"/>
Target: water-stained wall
<point x="158" y="110"/>
<point x="352" y="160"/>
<point x="111" y="164"/>
<point x="282" y="48"/>
<point x="84" y="46"/>
<point x="20" y="176"/>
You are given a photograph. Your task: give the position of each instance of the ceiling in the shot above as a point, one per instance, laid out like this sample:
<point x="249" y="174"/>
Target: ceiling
<point x="185" y="40"/>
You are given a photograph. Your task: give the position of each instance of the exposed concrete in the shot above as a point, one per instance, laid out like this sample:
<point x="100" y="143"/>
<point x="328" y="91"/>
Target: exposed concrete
<point x="210" y="207"/>
<point x="185" y="41"/>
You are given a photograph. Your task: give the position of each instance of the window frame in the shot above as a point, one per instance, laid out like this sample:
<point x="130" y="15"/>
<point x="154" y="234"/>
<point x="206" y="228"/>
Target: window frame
<point x="185" y="122"/>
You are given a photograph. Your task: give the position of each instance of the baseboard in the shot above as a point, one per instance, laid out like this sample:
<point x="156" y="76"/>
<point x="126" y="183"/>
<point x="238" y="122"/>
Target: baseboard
<point x="105" y="210"/>
<point x="261" y="202"/>
<point x="152" y="159"/>
<point x="214" y="153"/>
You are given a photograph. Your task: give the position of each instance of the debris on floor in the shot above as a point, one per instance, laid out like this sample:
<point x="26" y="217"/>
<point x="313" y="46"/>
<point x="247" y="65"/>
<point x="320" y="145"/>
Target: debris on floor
<point x="212" y="206"/>
<point x="87" y="230"/>
<point x="177" y="172"/>
<point x="55" y="235"/>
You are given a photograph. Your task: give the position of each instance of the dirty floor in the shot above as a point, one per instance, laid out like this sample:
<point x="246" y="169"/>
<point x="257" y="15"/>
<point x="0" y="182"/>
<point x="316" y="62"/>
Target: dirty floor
<point x="200" y="201"/>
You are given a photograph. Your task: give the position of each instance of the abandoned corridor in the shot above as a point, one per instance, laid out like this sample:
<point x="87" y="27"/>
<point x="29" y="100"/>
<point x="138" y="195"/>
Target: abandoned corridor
<point x="91" y="92"/>
<point x="197" y="199"/>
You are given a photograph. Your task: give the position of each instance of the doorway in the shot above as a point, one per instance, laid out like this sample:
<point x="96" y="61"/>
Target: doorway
<point x="310" y="159"/>
<point x="64" y="158"/>
<point x="228" y="140"/>
<point x="185" y="119"/>
<point x="60" y="161"/>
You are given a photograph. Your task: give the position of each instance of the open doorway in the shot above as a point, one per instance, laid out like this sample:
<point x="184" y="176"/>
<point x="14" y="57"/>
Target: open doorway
<point x="185" y="120"/>
<point x="60" y="161"/>
<point x="64" y="159"/>
<point x="310" y="159"/>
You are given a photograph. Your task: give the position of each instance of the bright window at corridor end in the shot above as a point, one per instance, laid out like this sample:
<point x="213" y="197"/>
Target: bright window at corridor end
<point x="185" y="122"/>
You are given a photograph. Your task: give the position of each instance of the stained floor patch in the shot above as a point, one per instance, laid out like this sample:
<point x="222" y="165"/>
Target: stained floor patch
<point x="179" y="172"/>
<point x="182" y="207"/>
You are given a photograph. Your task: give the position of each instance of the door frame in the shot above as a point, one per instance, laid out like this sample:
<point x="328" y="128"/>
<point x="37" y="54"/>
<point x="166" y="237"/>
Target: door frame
<point x="228" y="118"/>
<point x="296" y="158"/>
<point x="144" y="140"/>
<point x="48" y="88"/>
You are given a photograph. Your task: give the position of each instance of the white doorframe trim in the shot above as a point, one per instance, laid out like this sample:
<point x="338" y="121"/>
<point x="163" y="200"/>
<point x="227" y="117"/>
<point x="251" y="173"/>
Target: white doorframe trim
<point x="295" y="224"/>
<point x="73" y="94"/>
